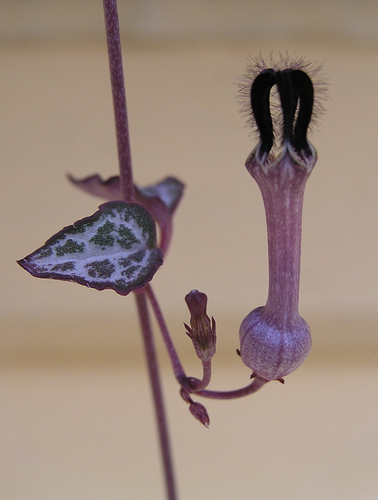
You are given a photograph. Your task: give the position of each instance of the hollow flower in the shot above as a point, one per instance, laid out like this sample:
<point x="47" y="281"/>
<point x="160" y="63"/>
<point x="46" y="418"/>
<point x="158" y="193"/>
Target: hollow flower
<point x="274" y="339"/>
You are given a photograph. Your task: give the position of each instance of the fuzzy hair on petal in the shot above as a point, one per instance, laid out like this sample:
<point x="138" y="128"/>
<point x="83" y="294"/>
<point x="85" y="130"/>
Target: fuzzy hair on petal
<point x="279" y="63"/>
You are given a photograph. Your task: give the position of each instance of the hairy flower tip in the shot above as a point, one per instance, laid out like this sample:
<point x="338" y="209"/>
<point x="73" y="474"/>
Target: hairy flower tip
<point x="200" y="413"/>
<point x="202" y="330"/>
<point x="282" y="99"/>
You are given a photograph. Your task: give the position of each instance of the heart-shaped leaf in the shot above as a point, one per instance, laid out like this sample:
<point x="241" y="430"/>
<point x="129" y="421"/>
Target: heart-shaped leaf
<point x="114" y="248"/>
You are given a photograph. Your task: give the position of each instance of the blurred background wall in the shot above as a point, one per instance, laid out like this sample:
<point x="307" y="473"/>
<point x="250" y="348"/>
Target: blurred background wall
<point x="188" y="19"/>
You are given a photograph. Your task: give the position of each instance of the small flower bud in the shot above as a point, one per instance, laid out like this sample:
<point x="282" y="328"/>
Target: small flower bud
<point x="200" y="413"/>
<point x="201" y="329"/>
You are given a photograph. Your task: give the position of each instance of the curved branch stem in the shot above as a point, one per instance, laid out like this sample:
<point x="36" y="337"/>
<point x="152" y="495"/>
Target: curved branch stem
<point x="206" y="367"/>
<point x="254" y="386"/>
<point x="194" y="384"/>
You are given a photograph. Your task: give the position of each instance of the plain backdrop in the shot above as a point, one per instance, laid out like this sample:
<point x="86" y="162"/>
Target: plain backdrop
<point x="76" y="418"/>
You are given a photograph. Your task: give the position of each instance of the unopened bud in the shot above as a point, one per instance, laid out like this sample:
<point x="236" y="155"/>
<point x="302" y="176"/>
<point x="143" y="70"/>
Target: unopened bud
<point x="202" y="330"/>
<point x="200" y="413"/>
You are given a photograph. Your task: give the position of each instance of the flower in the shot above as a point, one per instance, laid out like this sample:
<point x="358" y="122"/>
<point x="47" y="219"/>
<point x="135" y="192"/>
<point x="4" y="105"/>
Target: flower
<point x="274" y="339"/>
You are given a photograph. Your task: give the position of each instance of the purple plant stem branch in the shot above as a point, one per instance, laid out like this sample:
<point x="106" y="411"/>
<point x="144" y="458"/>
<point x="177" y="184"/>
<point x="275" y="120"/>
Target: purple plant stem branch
<point x="119" y="98"/>
<point x="128" y="194"/>
<point x="254" y="386"/>
<point x="206" y="367"/>
<point x="153" y="370"/>
<point x="178" y="369"/>
<point x="197" y="384"/>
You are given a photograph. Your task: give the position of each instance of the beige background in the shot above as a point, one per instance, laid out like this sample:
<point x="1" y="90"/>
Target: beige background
<point x="75" y="411"/>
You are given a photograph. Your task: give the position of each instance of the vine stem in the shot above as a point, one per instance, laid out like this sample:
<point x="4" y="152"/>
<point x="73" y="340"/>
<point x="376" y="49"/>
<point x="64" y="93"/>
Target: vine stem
<point x="128" y="194"/>
<point x="206" y="375"/>
<point x="254" y="386"/>
<point x="178" y="369"/>
<point x="119" y="98"/>
<point x="154" y="375"/>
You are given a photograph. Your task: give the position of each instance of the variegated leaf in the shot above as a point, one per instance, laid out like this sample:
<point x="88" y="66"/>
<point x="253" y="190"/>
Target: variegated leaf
<point x="114" y="248"/>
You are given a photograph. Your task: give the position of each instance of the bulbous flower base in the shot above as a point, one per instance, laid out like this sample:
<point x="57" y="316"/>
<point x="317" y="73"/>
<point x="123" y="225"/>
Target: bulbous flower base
<point x="270" y="350"/>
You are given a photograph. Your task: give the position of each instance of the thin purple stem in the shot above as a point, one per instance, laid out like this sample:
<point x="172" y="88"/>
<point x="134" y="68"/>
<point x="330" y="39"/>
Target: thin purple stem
<point x="206" y="367"/>
<point x="196" y="384"/>
<point x="153" y="370"/>
<point x="178" y="369"/>
<point x="254" y="386"/>
<point x="119" y="98"/>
